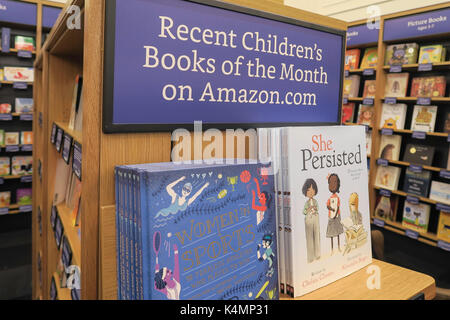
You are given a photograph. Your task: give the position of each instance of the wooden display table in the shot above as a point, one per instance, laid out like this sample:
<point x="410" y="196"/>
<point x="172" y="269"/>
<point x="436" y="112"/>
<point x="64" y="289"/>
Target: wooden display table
<point x="397" y="283"/>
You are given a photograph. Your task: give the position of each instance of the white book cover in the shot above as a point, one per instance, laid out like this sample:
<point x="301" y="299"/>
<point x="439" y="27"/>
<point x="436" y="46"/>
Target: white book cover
<point x="393" y="116"/>
<point x="329" y="204"/>
<point x="440" y="192"/>
<point x="424" y="118"/>
<point x="387" y="177"/>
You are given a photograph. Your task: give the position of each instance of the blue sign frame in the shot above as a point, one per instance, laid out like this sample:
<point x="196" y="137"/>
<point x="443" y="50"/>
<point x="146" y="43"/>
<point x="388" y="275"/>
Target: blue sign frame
<point x="147" y="122"/>
<point x="417" y="25"/>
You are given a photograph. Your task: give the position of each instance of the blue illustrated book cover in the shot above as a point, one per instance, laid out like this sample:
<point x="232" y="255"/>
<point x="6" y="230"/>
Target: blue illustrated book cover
<point x="200" y="232"/>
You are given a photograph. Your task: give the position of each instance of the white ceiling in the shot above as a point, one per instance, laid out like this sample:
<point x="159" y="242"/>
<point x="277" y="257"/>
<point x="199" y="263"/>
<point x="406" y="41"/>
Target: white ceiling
<point x="352" y="10"/>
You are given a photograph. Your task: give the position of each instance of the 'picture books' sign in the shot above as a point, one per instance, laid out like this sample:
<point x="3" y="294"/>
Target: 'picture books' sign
<point x="172" y="62"/>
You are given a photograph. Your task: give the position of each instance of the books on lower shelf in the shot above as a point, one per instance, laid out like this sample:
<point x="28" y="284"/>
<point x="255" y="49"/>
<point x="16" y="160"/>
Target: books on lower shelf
<point x="24" y="43"/>
<point x="424" y="118"/>
<point x="387" y="177"/>
<point x="419" y="154"/>
<point x="26" y="137"/>
<point x="396" y="85"/>
<point x="351" y="86"/>
<point x="22" y="165"/>
<point x="447" y="122"/>
<point x="235" y="247"/>
<point x="416" y="216"/>
<point x="370" y="89"/>
<point x="393" y="116"/>
<point x="352" y="59"/>
<point x="432" y="54"/>
<point x="5" y="166"/>
<point x="24" y="197"/>
<point x="5" y="108"/>
<point x="76" y="98"/>
<point x="417" y="183"/>
<point x="370" y="58"/>
<point x="390" y="147"/>
<point x="428" y="87"/>
<point x="369" y="143"/>
<point x="402" y="53"/>
<point x="348" y="113"/>
<point x="443" y="231"/>
<point x="365" y="115"/>
<point x="18" y="74"/>
<point x="12" y="138"/>
<point x="5" y="199"/>
<point x="62" y="175"/>
<point x="24" y="105"/>
<point x="440" y="192"/>
<point x="386" y="207"/>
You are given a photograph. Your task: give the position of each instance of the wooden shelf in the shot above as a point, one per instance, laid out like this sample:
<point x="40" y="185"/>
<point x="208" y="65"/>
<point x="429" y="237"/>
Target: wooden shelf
<point x="71" y="233"/>
<point x="397" y="227"/>
<point x="76" y="135"/>
<point x="407" y="164"/>
<point x="13" y="50"/>
<point x="414" y="99"/>
<point x="360" y="71"/>
<point x="404" y="194"/>
<point x="63" y="293"/>
<point x="433" y="134"/>
<point x="415" y="66"/>
<point x="13" y="177"/>
<point x="12" y="82"/>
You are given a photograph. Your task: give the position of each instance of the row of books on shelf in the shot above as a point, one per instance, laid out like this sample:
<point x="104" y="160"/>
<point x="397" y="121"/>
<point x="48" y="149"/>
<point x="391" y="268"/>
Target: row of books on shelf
<point x="415" y="216"/>
<point x="418" y="184"/>
<point x="415" y="153"/>
<point x="292" y="222"/>
<point x="22" y="105"/>
<point x="16" y="166"/>
<point x="17" y="74"/>
<point x="67" y="274"/>
<point x="18" y="42"/>
<point x="396" y="54"/>
<point x="393" y="116"/>
<point x="397" y="86"/>
<point x="16" y="138"/>
<point x="23" y="197"/>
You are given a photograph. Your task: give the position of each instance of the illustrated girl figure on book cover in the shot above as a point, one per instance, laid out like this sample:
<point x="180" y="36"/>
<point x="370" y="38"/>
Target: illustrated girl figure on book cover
<point x="180" y="203"/>
<point x="354" y="210"/>
<point x="335" y="227"/>
<point x="312" y="227"/>
<point x="167" y="281"/>
<point x="264" y="202"/>
<point x="267" y="254"/>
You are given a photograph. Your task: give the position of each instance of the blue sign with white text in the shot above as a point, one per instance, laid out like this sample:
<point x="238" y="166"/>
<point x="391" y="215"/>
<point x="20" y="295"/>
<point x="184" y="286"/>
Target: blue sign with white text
<point x="423" y="24"/>
<point x="175" y="62"/>
<point x="362" y="34"/>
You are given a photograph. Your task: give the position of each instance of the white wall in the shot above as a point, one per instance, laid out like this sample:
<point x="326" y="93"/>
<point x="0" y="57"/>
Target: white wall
<point x="352" y="10"/>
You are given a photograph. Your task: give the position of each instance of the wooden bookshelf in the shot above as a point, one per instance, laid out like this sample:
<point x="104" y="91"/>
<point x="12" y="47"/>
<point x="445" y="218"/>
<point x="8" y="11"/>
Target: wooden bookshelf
<point x="414" y="66"/>
<point x="434" y="138"/>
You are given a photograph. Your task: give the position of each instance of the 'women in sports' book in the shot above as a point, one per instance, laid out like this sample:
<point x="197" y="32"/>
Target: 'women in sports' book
<point x="329" y="204"/>
<point x="208" y="232"/>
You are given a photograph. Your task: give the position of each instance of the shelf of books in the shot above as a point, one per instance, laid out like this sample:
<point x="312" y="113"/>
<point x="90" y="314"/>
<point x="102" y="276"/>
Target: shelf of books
<point x="21" y="30"/>
<point x="410" y="135"/>
<point x="58" y="131"/>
